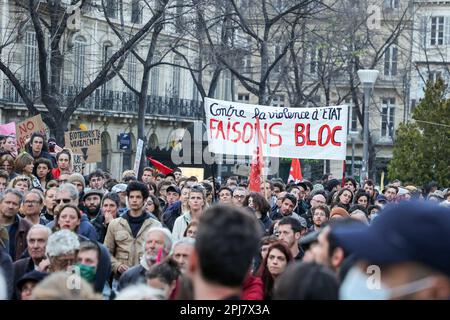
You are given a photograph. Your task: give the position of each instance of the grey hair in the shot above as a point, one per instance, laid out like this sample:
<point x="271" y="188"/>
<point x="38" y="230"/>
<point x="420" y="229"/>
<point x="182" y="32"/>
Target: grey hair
<point x="167" y="237"/>
<point x="62" y="242"/>
<point x="73" y="191"/>
<point x="185" y="240"/>
<point x="39" y="227"/>
<point x="13" y="191"/>
<point x="140" y="292"/>
<point x="36" y="192"/>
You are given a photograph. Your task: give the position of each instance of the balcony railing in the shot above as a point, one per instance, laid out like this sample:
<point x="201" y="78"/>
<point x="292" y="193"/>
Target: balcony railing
<point x="114" y="101"/>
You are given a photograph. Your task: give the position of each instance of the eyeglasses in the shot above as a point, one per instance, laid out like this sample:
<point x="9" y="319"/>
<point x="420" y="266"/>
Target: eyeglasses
<point x="63" y="200"/>
<point x="238" y="197"/>
<point x="33" y="202"/>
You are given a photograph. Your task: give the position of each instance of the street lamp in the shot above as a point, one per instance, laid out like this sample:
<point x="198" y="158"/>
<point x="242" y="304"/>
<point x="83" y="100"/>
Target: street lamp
<point x="367" y="78"/>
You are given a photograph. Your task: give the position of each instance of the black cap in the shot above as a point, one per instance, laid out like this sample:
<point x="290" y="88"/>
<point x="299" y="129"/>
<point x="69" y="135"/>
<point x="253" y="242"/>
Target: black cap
<point x="35" y="276"/>
<point x="173" y="188"/>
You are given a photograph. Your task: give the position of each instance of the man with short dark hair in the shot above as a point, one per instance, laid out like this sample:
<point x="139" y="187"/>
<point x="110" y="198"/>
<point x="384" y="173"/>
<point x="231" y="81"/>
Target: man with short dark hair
<point x="288" y="204"/>
<point x="369" y="188"/>
<point x="289" y="231"/>
<point x="37" y="148"/>
<point x="390" y="192"/>
<point x="97" y="181"/>
<point x="10" y="202"/>
<point x="213" y="274"/>
<point x="147" y="175"/>
<point x="321" y="214"/>
<point x="173" y="194"/>
<point x="125" y="235"/>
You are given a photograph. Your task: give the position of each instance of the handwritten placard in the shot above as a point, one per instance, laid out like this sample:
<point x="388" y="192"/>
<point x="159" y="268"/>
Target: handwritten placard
<point x="306" y="133"/>
<point x="86" y="143"/>
<point x="26" y="128"/>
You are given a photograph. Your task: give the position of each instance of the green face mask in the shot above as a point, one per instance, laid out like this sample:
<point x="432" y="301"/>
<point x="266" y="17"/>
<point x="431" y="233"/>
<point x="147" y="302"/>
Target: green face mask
<point x="87" y="272"/>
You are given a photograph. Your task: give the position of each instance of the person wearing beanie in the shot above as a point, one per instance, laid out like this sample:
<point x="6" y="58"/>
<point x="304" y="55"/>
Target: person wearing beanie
<point x="78" y="181"/>
<point x="339" y="213"/>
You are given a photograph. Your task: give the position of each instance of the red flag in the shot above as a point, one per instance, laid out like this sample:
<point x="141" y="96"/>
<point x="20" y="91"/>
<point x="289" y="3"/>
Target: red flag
<point x="295" y="173"/>
<point x="159" y="166"/>
<point x="257" y="164"/>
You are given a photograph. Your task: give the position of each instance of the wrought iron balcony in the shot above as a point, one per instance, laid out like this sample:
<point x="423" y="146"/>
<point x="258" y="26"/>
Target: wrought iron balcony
<point x="114" y="101"/>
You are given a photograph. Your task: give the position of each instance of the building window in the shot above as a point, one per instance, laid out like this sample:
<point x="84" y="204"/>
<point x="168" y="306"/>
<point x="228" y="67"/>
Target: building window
<point x="154" y="78"/>
<point x="111" y="8"/>
<point x="31" y="58"/>
<point x="132" y="70"/>
<point x="176" y="77"/>
<point x="390" y="60"/>
<point x="316" y="57"/>
<point x="391" y="4"/>
<point x="243" y="97"/>
<point x="434" y="75"/>
<point x="79" y="53"/>
<point x="387" y="117"/>
<point x="437" y="31"/>
<point x="352" y="117"/>
<point x="278" y="101"/>
<point x="106" y="55"/>
<point x="136" y="12"/>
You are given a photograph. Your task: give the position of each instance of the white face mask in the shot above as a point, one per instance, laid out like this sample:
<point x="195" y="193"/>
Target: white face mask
<point x="358" y="286"/>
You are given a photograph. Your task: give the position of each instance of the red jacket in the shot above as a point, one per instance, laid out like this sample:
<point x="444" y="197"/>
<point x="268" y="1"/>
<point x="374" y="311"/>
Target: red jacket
<point x="56" y="173"/>
<point x="253" y="288"/>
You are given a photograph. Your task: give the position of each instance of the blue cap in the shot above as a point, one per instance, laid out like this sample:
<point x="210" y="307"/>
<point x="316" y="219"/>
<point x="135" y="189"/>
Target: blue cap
<point x="381" y="197"/>
<point x="410" y="231"/>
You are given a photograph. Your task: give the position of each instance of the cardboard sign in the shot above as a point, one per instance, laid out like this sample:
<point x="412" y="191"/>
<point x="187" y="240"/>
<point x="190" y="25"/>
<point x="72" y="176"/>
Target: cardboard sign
<point x="78" y="163"/>
<point x="305" y="133"/>
<point x="86" y="143"/>
<point x="25" y="129"/>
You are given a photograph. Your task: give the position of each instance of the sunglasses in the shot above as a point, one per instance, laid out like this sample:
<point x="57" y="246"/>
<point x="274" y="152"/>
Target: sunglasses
<point x="63" y="200"/>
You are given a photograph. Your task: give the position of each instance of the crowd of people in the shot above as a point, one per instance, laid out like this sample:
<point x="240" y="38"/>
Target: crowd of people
<point x="64" y="235"/>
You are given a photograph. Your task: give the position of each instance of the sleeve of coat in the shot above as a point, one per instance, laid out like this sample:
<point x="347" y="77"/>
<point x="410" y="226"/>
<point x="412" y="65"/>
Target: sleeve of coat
<point x="110" y="244"/>
<point x="177" y="233"/>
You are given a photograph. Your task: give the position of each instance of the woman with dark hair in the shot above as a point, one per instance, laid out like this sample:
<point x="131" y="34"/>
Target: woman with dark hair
<point x="109" y="211"/>
<point x="64" y="163"/>
<point x="278" y="257"/>
<point x="343" y="199"/>
<point x="261" y="208"/>
<point x="24" y="165"/>
<point x="43" y="171"/>
<point x="152" y="206"/>
<point x="362" y="198"/>
<point x="265" y="243"/>
<point x="307" y="281"/>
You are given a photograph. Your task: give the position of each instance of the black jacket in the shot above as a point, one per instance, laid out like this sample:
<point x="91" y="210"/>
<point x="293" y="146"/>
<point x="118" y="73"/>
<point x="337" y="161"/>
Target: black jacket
<point x="171" y="214"/>
<point x="132" y="276"/>
<point x="99" y="224"/>
<point x="21" y="267"/>
<point x="308" y="217"/>
<point x="266" y="223"/>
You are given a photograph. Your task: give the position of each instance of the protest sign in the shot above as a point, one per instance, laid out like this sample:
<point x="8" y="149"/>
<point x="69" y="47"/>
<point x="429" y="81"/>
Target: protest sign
<point x="137" y="161"/>
<point x="26" y="128"/>
<point x="86" y="143"/>
<point x="8" y="129"/>
<point x="78" y="163"/>
<point x="306" y="133"/>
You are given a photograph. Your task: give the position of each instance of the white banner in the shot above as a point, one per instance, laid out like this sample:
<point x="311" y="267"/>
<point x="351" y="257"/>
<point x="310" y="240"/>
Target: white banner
<point x="305" y="133"/>
<point x="137" y="161"/>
